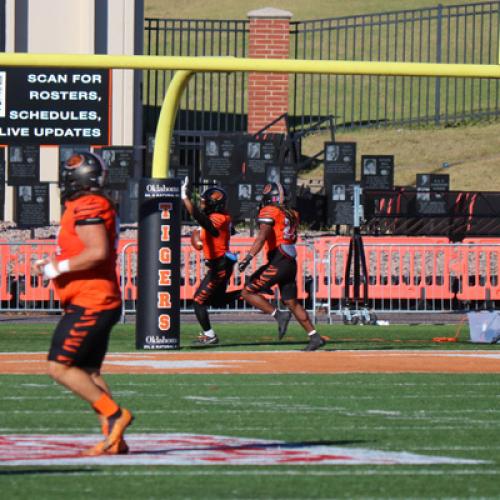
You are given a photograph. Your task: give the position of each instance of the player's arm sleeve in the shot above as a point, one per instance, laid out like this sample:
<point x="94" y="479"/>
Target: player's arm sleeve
<point x="266" y="216"/>
<point x="204" y="221"/>
<point x="91" y="211"/>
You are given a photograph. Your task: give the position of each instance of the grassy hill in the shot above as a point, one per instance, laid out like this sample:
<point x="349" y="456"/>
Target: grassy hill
<point x="314" y="9"/>
<point x="472" y="152"/>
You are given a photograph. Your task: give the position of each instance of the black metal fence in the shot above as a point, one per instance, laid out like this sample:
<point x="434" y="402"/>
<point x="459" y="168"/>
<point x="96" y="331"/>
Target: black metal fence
<point x="212" y="101"/>
<point x="444" y="34"/>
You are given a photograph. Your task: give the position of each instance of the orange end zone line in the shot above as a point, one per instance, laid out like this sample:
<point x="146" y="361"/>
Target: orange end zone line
<point x="328" y="362"/>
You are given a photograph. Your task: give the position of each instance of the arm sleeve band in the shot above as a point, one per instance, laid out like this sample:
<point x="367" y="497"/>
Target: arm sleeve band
<point x="88" y="222"/>
<point x="265" y="220"/>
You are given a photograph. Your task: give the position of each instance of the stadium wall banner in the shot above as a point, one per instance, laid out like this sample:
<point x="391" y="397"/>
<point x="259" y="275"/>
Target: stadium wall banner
<point x="339" y="177"/>
<point x="24" y="165"/>
<point x="2" y="182"/>
<point x="120" y="162"/>
<point x="158" y="311"/>
<point x="377" y="172"/>
<point x="32" y="205"/>
<point x="54" y="106"/>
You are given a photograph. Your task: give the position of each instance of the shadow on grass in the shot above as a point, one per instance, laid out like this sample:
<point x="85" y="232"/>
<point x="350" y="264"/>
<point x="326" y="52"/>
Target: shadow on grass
<point x="375" y="344"/>
<point x="45" y="472"/>
<point x="284" y="345"/>
<point x="257" y="446"/>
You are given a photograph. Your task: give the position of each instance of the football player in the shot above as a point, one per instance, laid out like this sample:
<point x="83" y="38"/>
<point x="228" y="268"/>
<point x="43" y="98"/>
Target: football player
<point x="84" y="275"/>
<point x="213" y="238"/>
<point x="278" y="231"/>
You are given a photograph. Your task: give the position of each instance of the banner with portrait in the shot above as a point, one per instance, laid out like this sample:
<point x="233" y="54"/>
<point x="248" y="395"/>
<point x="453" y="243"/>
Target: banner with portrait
<point x="339" y="177"/>
<point x="32" y="205"/>
<point x="24" y="165"/>
<point x="377" y="171"/>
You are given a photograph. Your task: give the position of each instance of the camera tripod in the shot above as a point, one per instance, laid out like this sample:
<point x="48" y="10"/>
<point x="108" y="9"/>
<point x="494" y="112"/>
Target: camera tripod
<point x="354" y="308"/>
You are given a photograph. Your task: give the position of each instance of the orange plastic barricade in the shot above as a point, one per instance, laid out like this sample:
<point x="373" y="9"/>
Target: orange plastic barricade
<point x="126" y="268"/>
<point x="36" y="289"/>
<point x="480" y="262"/>
<point x="397" y="268"/>
<point x="407" y="269"/>
<point x="192" y="265"/>
<point x="5" y="294"/>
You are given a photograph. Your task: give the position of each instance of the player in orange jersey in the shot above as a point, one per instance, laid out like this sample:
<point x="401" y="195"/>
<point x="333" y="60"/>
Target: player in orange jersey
<point x="278" y="231"/>
<point x="84" y="275"/>
<point x="213" y="238"/>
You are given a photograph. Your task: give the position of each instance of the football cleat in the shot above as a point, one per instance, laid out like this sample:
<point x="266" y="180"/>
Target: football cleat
<point x="120" y="448"/>
<point x="206" y="340"/>
<point x="283" y="318"/>
<point x="118" y="429"/>
<point x="315" y="342"/>
<point x="96" y="450"/>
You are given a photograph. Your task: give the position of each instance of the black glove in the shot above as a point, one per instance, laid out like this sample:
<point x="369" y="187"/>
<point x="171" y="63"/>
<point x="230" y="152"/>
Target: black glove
<point x="244" y="263"/>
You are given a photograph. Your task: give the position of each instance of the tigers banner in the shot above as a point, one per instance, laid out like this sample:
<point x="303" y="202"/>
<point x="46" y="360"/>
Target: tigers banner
<point x="158" y="272"/>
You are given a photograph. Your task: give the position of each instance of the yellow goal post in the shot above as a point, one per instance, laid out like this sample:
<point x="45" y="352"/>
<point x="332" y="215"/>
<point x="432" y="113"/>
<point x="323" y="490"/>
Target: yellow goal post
<point x="186" y="66"/>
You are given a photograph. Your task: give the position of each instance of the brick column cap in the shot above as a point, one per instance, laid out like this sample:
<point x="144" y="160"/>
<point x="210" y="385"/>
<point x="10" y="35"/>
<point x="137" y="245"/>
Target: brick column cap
<point x="270" y="13"/>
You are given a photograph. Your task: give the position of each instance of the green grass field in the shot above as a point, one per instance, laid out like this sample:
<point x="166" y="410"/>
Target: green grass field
<point x="453" y="416"/>
<point x="262" y="336"/>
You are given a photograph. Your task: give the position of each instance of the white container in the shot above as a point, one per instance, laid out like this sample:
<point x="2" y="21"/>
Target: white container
<point x="484" y="326"/>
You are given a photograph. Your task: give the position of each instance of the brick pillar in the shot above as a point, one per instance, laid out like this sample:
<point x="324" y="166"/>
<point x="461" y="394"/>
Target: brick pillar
<point x="268" y="92"/>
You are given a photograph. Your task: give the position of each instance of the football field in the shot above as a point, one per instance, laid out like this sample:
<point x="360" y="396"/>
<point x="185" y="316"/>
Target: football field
<point x="383" y="412"/>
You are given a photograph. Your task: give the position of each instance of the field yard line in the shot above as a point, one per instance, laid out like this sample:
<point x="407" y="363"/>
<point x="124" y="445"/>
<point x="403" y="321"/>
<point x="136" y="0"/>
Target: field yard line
<point x="272" y="362"/>
<point x="287" y="472"/>
<point x="226" y="428"/>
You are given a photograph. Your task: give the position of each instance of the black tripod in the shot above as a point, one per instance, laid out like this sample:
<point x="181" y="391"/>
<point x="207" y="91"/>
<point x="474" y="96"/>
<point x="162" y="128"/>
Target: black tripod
<point x="355" y="308"/>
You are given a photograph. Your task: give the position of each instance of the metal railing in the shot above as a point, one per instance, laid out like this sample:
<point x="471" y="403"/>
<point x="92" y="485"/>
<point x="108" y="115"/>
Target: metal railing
<point x="467" y="33"/>
<point x="211" y="101"/>
<point x="417" y="278"/>
<point x="403" y="277"/>
<point x="193" y="270"/>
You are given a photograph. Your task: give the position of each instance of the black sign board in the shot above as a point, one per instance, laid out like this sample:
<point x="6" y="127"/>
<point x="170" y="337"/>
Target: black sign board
<point x="120" y="162"/>
<point x="261" y="154"/>
<point x="222" y="164"/>
<point x="339" y="178"/>
<point x="2" y="182"/>
<point x="430" y="198"/>
<point x="262" y="157"/>
<point x="129" y="202"/>
<point x="377" y="172"/>
<point x="243" y="164"/>
<point x="222" y="158"/>
<point x="342" y="204"/>
<point x="54" y="106"/>
<point x="24" y="165"/>
<point x="288" y="178"/>
<point x="433" y="182"/>
<point x="32" y="205"/>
